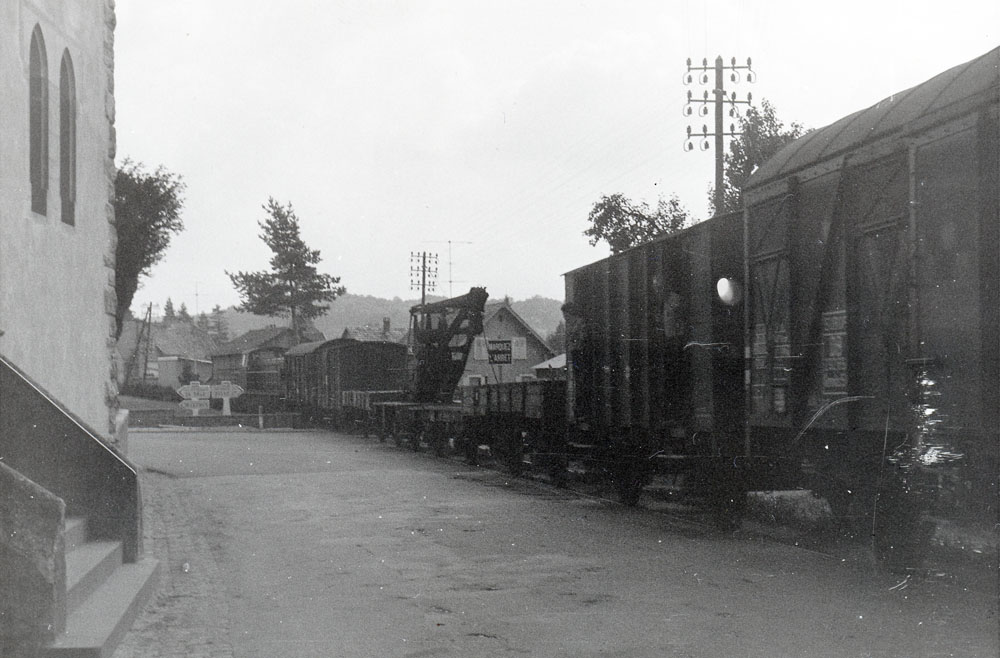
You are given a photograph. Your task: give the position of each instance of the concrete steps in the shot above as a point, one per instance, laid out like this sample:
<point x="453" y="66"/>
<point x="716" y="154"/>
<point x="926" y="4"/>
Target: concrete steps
<point x="103" y="595"/>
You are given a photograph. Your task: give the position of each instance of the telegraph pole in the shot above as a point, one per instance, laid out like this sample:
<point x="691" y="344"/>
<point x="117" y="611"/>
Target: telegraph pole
<point x="423" y="266"/>
<point x="719" y="98"/>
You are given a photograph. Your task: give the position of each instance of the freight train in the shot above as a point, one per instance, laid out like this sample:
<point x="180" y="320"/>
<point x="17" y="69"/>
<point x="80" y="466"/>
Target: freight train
<point x="841" y="334"/>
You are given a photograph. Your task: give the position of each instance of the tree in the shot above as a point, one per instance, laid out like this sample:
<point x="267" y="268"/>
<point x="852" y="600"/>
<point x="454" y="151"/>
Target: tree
<point x="182" y="313"/>
<point x="622" y="223"/>
<point x="293" y="288"/>
<point x="557" y="339"/>
<point x="762" y="134"/>
<point x="147" y="213"/>
<point x="168" y="311"/>
<point x="202" y="322"/>
<point x="218" y="325"/>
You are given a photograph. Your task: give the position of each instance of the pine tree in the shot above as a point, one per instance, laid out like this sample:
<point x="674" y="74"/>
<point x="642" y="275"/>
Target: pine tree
<point x="168" y="311"/>
<point x="293" y="288"/>
<point x="218" y="325"/>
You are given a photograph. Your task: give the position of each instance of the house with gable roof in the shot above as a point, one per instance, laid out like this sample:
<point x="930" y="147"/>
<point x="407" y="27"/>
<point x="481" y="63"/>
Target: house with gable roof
<point x="254" y="360"/>
<point x="163" y="352"/>
<point x="503" y="330"/>
<point x="385" y="333"/>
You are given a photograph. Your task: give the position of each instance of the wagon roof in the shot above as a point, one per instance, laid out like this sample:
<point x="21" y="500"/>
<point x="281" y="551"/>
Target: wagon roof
<point x="700" y="225"/>
<point x="304" y="348"/>
<point x="945" y="96"/>
<point x="258" y="338"/>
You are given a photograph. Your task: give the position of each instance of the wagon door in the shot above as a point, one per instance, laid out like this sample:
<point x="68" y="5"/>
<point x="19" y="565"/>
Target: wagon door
<point x="878" y="294"/>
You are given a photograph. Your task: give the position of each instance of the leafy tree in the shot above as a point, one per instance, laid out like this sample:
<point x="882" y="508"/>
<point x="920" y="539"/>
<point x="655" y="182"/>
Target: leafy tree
<point x="168" y="311"/>
<point x="557" y="339"/>
<point x="202" y="322"/>
<point x="183" y="314"/>
<point x="147" y="213"/>
<point x="293" y="288"/>
<point x="762" y="134"/>
<point x="623" y="223"/>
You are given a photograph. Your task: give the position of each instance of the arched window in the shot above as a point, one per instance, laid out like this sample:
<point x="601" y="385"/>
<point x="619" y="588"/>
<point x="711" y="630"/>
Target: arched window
<point x="38" y="98"/>
<point x="67" y="139"/>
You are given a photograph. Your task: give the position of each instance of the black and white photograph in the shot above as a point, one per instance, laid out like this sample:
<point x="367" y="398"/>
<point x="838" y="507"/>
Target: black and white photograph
<point x="466" y="329"/>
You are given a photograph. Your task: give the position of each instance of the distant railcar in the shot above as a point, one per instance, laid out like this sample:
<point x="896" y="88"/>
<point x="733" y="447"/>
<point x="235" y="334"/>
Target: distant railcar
<point x="317" y="375"/>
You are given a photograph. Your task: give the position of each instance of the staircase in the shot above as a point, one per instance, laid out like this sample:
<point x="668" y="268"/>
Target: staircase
<point x="103" y="595"/>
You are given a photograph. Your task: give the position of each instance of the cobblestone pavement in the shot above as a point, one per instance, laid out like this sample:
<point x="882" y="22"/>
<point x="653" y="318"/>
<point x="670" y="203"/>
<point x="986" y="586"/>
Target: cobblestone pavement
<point x="315" y="544"/>
<point x="189" y="615"/>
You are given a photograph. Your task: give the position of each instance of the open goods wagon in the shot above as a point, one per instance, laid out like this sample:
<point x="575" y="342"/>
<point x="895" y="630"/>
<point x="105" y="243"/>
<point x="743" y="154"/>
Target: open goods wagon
<point x="872" y="252"/>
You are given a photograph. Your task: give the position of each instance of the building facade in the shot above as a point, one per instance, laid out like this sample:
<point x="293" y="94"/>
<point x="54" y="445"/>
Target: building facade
<point x="516" y="348"/>
<point x="57" y="235"/>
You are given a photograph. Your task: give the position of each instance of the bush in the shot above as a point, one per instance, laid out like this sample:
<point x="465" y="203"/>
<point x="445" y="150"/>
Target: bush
<point x="150" y="392"/>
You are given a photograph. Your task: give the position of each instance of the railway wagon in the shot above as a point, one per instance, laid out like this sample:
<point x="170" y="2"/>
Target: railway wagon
<point x="872" y="323"/>
<point x="655" y="359"/>
<point x="523" y="423"/>
<point x="318" y="374"/>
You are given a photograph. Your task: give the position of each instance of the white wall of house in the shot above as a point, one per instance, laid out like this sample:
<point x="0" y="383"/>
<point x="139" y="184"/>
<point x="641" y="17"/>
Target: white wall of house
<point x="56" y="278"/>
<point x="527" y="351"/>
<point x="170" y="370"/>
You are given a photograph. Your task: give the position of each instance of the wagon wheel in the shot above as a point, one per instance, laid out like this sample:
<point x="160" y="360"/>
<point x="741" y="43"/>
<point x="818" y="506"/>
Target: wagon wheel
<point x="514" y="452"/>
<point x="726" y="492"/>
<point x="439" y="440"/>
<point x="630" y="476"/>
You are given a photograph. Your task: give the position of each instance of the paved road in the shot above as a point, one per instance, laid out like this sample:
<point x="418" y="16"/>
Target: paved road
<point x="315" y="544"/>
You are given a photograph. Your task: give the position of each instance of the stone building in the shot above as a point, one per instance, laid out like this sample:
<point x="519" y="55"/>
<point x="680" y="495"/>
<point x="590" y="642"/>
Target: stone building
<point x="67" y="492"/>
<point x="57" y="237"/>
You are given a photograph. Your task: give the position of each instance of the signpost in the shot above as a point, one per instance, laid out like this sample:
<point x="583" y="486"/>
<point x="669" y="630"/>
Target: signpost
<point x="226" y="391"/>
<point x="196" y="396"/>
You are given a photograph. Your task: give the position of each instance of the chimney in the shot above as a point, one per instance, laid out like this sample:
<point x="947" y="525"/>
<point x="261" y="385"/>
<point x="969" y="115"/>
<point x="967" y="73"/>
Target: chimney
<point x="385" y="326"/>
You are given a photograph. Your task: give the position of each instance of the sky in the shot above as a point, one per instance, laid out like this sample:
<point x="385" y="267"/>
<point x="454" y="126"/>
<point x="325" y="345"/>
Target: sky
<point x="483" y="132"/>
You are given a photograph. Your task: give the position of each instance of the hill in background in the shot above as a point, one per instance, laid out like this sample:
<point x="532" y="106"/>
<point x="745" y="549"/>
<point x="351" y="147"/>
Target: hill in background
<point x="349" y="311"/>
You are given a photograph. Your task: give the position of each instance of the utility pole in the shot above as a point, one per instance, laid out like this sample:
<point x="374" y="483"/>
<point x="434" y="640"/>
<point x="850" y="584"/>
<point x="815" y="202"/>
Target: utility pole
<point x="423" y="266"/>
<point x="451" y="292"/>
<point x="719" y="98"/>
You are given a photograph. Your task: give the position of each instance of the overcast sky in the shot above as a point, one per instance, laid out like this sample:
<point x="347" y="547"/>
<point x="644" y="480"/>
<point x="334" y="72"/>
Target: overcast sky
<point x="396" y="127"/>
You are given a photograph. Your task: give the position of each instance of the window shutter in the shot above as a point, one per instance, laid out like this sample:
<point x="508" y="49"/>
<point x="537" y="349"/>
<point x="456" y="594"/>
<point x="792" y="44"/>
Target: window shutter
<point x="519" y="348"/>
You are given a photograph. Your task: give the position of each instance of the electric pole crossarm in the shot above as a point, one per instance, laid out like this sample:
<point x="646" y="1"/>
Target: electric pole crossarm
<point x="719" y="98"/>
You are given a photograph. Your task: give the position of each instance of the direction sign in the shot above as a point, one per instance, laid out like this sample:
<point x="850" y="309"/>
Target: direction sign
<point x="194" y="405"/>
<point x="226" y="390"/>
<point x="195" y="391"/>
